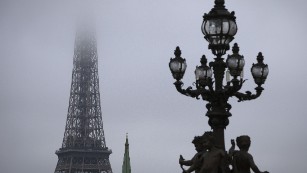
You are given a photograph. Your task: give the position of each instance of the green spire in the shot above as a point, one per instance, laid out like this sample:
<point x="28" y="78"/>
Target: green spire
<point x="126" y="163"/>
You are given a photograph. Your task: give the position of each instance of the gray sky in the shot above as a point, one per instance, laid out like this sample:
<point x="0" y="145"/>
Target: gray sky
<point x="136" y="39"/>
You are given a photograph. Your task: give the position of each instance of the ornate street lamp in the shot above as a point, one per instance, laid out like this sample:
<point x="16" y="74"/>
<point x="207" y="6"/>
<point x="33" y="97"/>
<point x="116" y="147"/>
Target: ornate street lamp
<point x="203" y="74"/>
<point x="177" y="65"/>
<point x="219" y="27"/>
<point x="235" y="62"/>
<point x="260" y="70"/>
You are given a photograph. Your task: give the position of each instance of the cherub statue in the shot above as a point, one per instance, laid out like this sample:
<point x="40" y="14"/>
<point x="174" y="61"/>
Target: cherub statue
<point x="209" y="160"/>
<point x="197" y="141"/>
<point x="242" y="161"/>
<point x="213" y="157"/>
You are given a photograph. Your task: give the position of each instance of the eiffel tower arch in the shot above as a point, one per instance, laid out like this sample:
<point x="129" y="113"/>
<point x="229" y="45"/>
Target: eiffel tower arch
<point x="84" y="148"/>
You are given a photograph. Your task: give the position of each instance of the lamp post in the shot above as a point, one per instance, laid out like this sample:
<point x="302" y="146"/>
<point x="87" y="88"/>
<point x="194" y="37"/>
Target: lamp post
<point x="219" y="28"/>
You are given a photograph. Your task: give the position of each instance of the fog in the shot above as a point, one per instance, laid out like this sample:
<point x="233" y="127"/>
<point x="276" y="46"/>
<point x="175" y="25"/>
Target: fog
<point x="135" y="42"/>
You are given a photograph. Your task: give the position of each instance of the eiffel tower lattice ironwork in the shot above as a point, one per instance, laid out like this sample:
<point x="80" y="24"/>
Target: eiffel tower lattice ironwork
<point x="84" y="148"/>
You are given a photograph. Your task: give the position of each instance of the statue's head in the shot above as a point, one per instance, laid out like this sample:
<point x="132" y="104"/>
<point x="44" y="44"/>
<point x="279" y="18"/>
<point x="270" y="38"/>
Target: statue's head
<point x="207" y="140"/>
<point x="243" y="142"/>
<point x="197" y="141"/>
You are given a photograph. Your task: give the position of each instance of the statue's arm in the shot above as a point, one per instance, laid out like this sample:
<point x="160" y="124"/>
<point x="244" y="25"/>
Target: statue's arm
<point x="191" y="168"/>
<point x="187" y="162"/>
<point x="232" y="148"/>
<point x="196" y="161"/>
<point x="253" y="165"/>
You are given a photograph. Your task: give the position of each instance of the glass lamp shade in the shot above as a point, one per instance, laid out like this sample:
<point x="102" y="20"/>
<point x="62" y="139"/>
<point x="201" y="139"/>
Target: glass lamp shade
<point x="235" y="62"/>
<point x="260" y="70"/>
<point x="177" y="65"/>
<point x="219" y="28"/>
<point x="203" y="72"/>
<point x="203" y="75"/>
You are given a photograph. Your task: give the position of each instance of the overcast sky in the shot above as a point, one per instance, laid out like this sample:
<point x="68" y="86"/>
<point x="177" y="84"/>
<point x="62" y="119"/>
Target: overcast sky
<point x="136" y="39"/>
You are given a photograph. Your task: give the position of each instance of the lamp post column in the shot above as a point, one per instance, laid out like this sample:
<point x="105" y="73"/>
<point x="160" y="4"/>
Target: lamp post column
<point x="218" y="119"/>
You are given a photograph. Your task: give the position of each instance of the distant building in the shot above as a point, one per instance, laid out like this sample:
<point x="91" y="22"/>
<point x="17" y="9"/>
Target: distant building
<point x="126" y="163"/>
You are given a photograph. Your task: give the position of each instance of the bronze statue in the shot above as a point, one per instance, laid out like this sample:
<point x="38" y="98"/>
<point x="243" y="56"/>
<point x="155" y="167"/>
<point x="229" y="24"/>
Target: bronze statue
<point x="242" y="161"/>
<point x="209" y="159"/>
<point x="197" y="141"/>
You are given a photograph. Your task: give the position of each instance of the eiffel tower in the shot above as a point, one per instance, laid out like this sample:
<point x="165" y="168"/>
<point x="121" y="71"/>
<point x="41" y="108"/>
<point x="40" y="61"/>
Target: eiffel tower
<point x="84" y="148"/>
